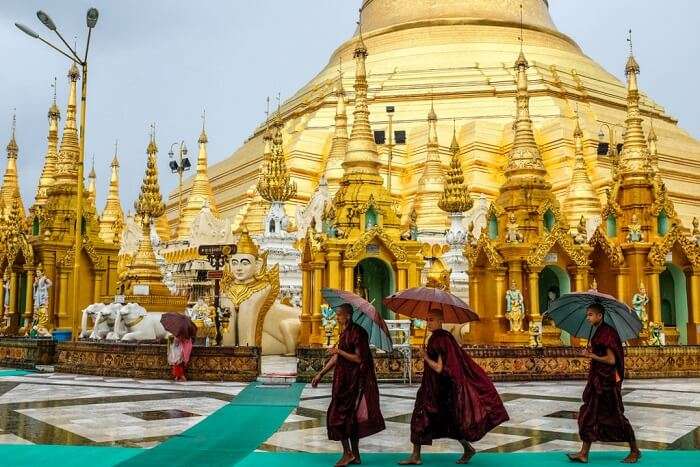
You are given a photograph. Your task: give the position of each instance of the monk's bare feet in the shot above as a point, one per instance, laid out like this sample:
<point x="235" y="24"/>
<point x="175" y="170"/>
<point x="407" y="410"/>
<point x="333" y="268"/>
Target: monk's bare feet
<point x="411" y="461"/>
<point x="466" y="457"/>
<point x="632" y="457"/>
<point x="578" y="457"/>
<point x="346" y="460"/>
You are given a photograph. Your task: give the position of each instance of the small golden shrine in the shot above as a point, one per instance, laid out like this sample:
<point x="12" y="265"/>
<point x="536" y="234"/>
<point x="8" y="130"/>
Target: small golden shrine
<point x="363" y="246"/>
<point x="526" y="238"/>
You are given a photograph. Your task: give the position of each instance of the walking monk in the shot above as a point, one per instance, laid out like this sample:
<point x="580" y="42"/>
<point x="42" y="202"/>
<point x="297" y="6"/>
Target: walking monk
<point x="602" y="415"/>
<point x="456" y="399"/>
<point x="354" y="411"/>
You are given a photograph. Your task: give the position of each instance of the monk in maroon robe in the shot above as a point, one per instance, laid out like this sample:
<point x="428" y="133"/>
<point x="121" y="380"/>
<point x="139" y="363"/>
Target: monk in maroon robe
<point x="456" y="399"/>
<point x="602" y="415"/>
<point x="354" y="411"/>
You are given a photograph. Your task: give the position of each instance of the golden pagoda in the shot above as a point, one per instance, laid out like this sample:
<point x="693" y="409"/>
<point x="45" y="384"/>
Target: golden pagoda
<point x="362" y="241"/>
<point x="581" y="199"/>
<point x="457" y="54"/>
<point x="48" y="172"/>
<point x="430" y="183"/>
<point x="527" y="239"/>
<point x="92" y="186"/>
<point x="275" y="185"/>
<point x="199" y="193"/>
<point x="9" y="192"/>
<point x="333" y="170"/>
<point x="143" y="280"/>
<point x="112" y="218"/>
<point x="642" y="243"/>
<point x="53" y="231"/>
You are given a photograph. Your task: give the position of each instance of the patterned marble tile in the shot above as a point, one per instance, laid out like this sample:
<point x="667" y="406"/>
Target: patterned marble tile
<point x="33" y="393"/>
<point x="9" y="438"/>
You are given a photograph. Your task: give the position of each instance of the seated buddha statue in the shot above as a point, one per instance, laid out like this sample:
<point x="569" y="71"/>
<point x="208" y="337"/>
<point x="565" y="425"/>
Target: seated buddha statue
<point x="249" y="289"/>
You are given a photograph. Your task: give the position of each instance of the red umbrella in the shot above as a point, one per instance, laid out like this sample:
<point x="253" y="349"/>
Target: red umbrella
<point x="179" y="325"/>
<point x="417" y="303"/>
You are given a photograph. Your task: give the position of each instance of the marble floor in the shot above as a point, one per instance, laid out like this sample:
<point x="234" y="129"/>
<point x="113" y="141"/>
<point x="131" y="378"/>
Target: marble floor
<point x="49" y="408"/>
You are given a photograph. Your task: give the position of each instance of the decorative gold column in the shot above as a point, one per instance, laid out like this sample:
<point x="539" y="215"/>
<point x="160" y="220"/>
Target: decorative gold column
<point x="349" y="275"/>
<point x="306" y="288"/>
<point x="515" y="273"/>
<point x="653" y="285"/>
<point x="63" y="294"/>
<point x="693" y="284"/>
<point x="97" y="289"/>
<point x="316" y="330"/>
<point x="474" y="298"/>
<point x="413" y="275"/>
<point x="401" y="276"/>
<point x="621" y="279"/>
<point x="13" y="295"/>
<point x="2" y="298"/>
<point x="334" y="270"/>
<point x="29" y="301"/>
<point x="500" y="292"/>
<point x="534" y="294"/>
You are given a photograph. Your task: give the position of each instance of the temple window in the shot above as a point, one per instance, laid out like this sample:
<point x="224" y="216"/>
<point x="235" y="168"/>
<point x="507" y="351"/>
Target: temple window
<point x="493" y="228"/>
<point x="272" y="226"/>
<point x="35" y="226"/>
<point x="370" y="219"/>
<point x="611" y="224"/>
<point x="662" y="223"/>
<point x="548" y="220"/>
<point x="379" y="137"/>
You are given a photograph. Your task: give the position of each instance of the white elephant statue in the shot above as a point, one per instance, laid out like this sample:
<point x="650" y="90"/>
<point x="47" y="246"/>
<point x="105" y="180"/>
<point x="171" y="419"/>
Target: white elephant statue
<point x="138" y="324"/>
<point x="91" y="312"/>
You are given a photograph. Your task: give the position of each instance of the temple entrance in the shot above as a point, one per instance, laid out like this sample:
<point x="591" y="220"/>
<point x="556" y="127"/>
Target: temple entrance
<point x="674" y="300"/>
<point x="554" y="282"/>
<point x="374" y="281"/>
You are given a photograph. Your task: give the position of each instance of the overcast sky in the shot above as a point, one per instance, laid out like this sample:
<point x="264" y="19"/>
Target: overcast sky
<point x="164" y="61"/>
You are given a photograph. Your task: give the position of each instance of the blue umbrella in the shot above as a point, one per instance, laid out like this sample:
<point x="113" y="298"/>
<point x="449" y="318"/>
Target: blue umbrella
<point x="569" y="313"/>
<point x="364" y="315"/>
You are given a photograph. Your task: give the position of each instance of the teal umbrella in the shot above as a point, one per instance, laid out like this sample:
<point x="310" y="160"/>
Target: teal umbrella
<point x="364" y="315"/>
<point x="569" y="313"/>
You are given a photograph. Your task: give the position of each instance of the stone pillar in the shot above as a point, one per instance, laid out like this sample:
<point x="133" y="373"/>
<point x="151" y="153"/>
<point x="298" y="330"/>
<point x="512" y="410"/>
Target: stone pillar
<point x="500" y="292"/>
<point x="2" y="300"/>
<point x="334" y="271"/>
<point x="306" y="288"/>
<point x="534" y="294"/>
<point x="693" y="286"/>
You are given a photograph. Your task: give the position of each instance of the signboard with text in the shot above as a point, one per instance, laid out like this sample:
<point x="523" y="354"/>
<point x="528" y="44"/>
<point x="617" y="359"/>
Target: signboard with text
<point x="217" y="250"/>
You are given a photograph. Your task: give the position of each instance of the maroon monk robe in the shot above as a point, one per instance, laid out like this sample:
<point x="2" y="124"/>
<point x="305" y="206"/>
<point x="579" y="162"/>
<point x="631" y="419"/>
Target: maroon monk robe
<point x="460" y="403"/>
<point x="354" y="410"/>
<point x="602" y="417"/>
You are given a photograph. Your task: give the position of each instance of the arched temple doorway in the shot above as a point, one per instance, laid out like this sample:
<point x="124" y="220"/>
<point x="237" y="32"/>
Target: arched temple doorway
<point x="374" y="281"/>
<point x="553" y="283"/>
<point x="674" y="301"/>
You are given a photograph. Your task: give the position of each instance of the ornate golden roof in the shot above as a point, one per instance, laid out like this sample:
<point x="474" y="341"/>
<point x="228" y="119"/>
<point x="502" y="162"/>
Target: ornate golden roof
<point x="275" y="183"/>
<point x="635" y="158"/>
<point x="66" y="169"/>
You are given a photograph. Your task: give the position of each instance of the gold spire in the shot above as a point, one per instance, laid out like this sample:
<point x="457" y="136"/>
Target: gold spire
<point x="245" y="245"/>
<point x="634" y="160"/>
<point x="581" y="199"/>
<point x="144" y="270"/>
<point x="200" y="192"/>
<point x="431" y="182"/>
<point x="275" y="184"/>
<point x="524" y="159"/>
<point x="66" y="169"/>
<point x="653" y="150"/>
<point x="361" y="160"/>
<point x="10" y="183"/>
<point x="455" y="198"/>
<point x="112" y="218"/>
<point x="48" y="173"/>
<point x="339" y="146"/>
<point x="92" y="184"/>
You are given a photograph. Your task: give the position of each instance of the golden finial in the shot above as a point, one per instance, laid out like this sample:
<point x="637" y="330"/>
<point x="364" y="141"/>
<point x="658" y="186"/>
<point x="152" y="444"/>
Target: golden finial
<point x="275" y="183"/>
<point x="92" y="170"/>
<point x="54" y="113"/>
<point x="115" y="160"/>
<point x="12" y="148"/>
<point x="245" y="245"/>
<point x="203" y="136"/>
<point x="455" y="197"/>
<point x="632" y="65"/>
<point x="150" y="203"/>
<point x="360" y="48"/>
<point x="521" y="38"/>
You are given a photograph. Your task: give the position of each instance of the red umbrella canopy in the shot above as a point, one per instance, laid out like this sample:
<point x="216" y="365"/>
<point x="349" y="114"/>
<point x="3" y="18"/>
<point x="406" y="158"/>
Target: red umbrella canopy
<point x="179" y="325"/>
<point x="418" y="301"/>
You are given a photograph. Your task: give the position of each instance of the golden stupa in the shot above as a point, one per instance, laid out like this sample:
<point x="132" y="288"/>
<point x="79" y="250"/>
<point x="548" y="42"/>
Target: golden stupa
<point x="457" y="56"/>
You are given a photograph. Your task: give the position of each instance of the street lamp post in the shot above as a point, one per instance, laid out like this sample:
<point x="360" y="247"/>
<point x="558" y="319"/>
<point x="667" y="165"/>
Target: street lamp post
<point x="390" y="113"/>
<point x="91" y="21"/>
<point x="179" y="166"/>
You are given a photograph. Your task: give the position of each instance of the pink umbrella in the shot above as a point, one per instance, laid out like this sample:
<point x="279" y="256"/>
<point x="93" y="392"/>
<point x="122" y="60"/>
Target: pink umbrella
<point x="417" y="303"/>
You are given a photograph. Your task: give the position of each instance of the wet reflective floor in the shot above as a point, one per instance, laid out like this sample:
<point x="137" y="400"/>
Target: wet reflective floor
<point x="90" y="410"/>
